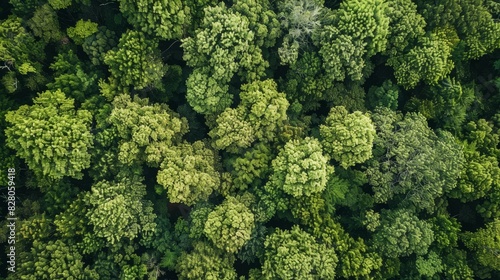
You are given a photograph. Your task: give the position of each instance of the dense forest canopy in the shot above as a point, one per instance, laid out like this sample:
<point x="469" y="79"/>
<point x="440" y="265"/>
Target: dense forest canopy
<point x="250" y="139"/>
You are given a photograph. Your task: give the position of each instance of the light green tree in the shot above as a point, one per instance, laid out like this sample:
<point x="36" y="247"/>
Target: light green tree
<point x="188" y="173"/>
<point x="145" y="131"/>
<point x="166" y="20"/>
<point x="52" y="260"/>
<point x="259" y="116"/>
<point x="358" y="30"/>
<point x="295" y="254"/>
<point x="82" y="30"/>
<point x="118" y="210"/>
<point x="136" y="62"/>
<point x="51" y="136"/>
<point x="301" y="168"/>
<point x="220" y="48"/>
<point x="348" y="138"/>
<point x="229" y="226"/>
<point x="206" y="262"/>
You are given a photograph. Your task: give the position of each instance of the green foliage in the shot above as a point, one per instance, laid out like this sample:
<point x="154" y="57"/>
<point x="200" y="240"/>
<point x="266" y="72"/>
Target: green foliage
<point x="295" y="254"/>
<point x="60" y="4"/>
<point x="53" y="260"/>
<point x="45" y="25"/>
<point x="300" y="18"/>
<point x="429" y="266"/>
<point x="472" y="19"/>
<point x="301" y="168"/>
<point x="485" y="244"/>
<point x="229" y="225"/>
<point x="405" y="26"/>
<point x="98" y="44"/>
<point x="261" y="20"/>
<point x="71" y="78"/>
<point x="446" y="230"/>
<point x="480" y="174"/>
<point x="145" y="131"/>
<point x="136" y="62"/>
<point x="252" y="167"/>
<point x="188" y="173"/>
<point x="259" y="116"/>
<point x="428" y="61"/>
<point x="401" y="233"/>
<point x="206" y="262"/>
<point x="385" y="95"/>
<point x="82" y="30"/>
<point x="51" y="136"/>
<point x="264" y="108"/>
<point x="23" y="8"/>
<point x="164" y="19"/>
<point x="20" y="54"/>
<point x="358" y="31"/>
<point x="348" y="138"/>
<point x="411" y="163"/>
<point x="232" y="132"/>
<point x="118" y="211"/>
<point x="306" y="81"/>
<point x="221" y="47"/>
<point x="447" y="104"/>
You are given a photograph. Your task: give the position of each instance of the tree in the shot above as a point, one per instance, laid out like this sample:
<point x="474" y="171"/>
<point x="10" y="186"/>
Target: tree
<point x="232" y="132"/>
<point x="348" y="138"/>
<point x="144" y="131"/>
<point x="221" y="47"/>
<point x="428" y="61"/>
<point x="412" y="164"/>
<point x="188" y="173"/>
<point x="259" y="116"/>
<point x="206" y="262"/>
<point x="358" y="30"/>
<point x="401" y="233"/>
<point x="295" y="254"/>
<point x="82" y="30"/>
<point x="406" y="25"/>
<point x="446" y="104"/>
<point x="136" y="62"/>
<point x="166" y="20"/>
<point x="53" y="260"/>
<point x="21" y="55"/>
<point x="229" y="226"/>
<point x="485" y="245"/>
<point x="45" y="24"/>
<point x="51" y="136"/>
<point x="264" y="108"/>
<point x="118" y="210"/>
<point x="385" y="95"/>
<point x="98" y="44"/>
<point x="261" y="20"/>
<point x="300" y="169"/>
<point x="301" y="18"/>
<point x="251" y="168"/>
<point x="71" y="78"/>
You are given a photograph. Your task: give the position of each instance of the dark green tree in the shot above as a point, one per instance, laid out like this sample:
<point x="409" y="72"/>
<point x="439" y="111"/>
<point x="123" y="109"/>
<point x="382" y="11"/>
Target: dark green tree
<point x="136" y="61"/>
<point x="401" y="233"/>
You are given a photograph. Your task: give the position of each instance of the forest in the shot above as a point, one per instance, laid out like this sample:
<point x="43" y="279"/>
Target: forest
<point x="250" y="139"/>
